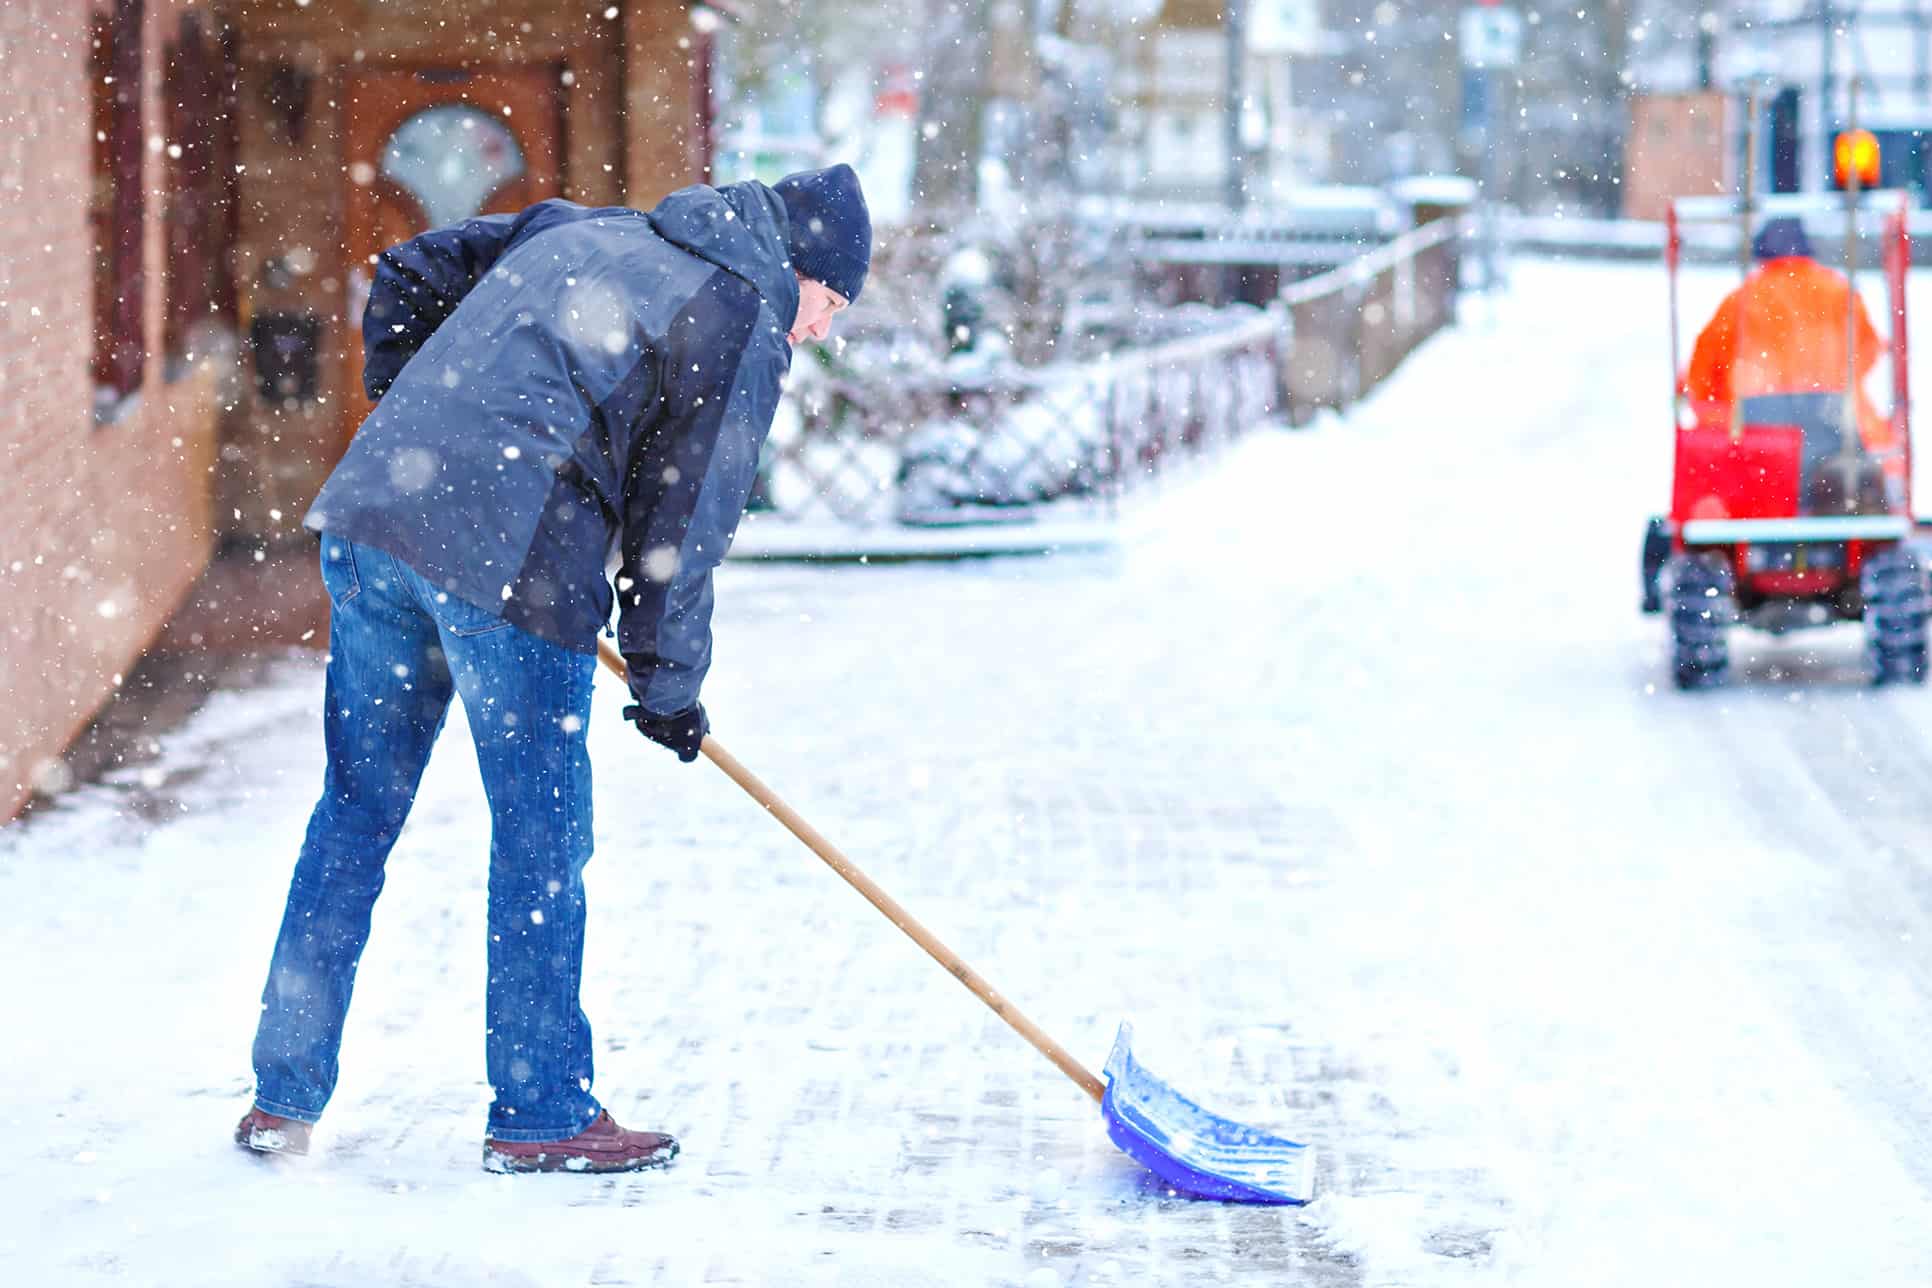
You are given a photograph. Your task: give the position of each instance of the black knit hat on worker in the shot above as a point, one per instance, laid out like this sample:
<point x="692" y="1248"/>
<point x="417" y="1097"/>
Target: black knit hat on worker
<point x="1781" y="238"/>
<point x="831" y="231"/>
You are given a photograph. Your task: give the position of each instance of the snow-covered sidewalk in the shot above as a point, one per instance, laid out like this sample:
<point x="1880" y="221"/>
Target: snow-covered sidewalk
<point x="1347" y="777"/>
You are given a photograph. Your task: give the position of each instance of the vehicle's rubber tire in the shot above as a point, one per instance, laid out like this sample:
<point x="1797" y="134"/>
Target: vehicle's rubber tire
<point x="1896" y="607"/>
<point x="1656" y="554"/>
<point x="1702" y="601"/>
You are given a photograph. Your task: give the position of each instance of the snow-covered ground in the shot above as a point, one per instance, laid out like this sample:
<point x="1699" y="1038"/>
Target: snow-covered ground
<point x="1353" y="777"/>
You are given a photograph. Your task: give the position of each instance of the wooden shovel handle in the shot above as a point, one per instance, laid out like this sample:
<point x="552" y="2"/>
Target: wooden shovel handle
<point x="765" y="796"/>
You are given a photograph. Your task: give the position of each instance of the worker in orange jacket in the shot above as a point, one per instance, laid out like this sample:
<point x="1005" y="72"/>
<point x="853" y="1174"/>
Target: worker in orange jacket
<point x="1782" y="331"/>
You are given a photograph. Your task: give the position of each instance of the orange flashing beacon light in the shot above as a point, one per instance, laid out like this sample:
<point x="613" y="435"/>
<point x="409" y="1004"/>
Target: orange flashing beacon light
<point x="1855" y="159"/>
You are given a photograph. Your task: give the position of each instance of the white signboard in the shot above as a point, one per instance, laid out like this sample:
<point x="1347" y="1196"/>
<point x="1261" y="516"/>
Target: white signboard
<point x="1284" y="27"/>
<point x="1490" y="36"/>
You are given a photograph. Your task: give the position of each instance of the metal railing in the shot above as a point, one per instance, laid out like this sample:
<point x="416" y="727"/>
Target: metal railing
<point x="926" y="447"/>
<point x="950" y="447"/>
<point x="1349" y="328"/>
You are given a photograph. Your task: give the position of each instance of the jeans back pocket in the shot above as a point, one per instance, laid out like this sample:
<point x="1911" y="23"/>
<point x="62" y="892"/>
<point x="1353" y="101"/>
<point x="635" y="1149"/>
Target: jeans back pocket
<point x="339" y="576"/>
<point x="463" y="619"/>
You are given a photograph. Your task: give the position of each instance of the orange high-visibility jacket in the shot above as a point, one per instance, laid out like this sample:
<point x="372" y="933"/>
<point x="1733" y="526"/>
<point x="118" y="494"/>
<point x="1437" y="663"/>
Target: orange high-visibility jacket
<point x="1783" y="332"/>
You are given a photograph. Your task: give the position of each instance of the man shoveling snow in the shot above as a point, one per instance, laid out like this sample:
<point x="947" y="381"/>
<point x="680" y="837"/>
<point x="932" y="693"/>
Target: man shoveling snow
<point x="554" y="386"/>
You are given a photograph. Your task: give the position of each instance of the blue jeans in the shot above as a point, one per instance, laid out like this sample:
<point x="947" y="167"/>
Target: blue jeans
<point x="399" y="648"/>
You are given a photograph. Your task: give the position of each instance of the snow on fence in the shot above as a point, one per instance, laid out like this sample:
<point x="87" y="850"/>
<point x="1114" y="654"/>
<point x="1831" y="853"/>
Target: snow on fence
<point x="948" y="447"/>
<point x="1193" y="247"/>
<point x="1349" y="328"/>
<point x="852" y="456"/>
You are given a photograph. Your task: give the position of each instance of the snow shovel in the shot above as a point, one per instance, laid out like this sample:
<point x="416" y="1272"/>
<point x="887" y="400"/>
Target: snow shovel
<point x="1196" y="1152"/>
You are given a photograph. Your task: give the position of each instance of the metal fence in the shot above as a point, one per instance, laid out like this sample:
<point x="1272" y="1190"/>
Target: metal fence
<point x="913" y="447"/>
<point x="950" y="448"/>
<point x="1349" y="328"/>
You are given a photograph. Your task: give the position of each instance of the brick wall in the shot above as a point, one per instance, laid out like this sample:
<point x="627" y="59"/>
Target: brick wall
<point x="102" y="527"/>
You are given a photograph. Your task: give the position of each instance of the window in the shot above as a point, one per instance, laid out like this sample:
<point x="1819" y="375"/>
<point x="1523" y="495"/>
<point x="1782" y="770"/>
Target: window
<point x="117" y="205"/>
<point x="452" y="159"/>
<point x="187" y="109"/>
<point x="198" y="151"/>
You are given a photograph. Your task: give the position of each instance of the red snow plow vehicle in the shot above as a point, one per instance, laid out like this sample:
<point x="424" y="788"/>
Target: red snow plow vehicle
<point x="1790" y="507"/>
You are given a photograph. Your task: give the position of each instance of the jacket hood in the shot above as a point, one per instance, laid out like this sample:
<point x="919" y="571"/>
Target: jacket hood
<point x="740" y="228"/>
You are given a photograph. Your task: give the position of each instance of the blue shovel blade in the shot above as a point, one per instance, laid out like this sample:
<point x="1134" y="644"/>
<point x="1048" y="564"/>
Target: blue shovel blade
<point x="1194" y="1151"/>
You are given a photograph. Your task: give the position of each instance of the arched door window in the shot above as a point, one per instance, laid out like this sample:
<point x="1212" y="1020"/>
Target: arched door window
<point x="451" y="158"/>
<point x="427" y="147"/>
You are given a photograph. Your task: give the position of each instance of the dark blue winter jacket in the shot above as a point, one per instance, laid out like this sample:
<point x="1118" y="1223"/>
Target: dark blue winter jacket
<point x="566" y="384"/>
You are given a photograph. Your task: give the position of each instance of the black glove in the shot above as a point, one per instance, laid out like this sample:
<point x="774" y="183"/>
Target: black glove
<point x="682" y="732"/>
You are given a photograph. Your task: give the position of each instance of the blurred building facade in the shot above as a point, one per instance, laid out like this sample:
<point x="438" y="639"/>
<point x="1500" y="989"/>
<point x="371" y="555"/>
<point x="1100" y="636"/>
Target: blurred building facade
<point x="366" y="123"/>
<point x="1807" y="57"/>
<point x="1174" y="84"/>
<point x="199" y="187"/>
<point x="1678" y="145"/>
<point x="1802" y="57"/>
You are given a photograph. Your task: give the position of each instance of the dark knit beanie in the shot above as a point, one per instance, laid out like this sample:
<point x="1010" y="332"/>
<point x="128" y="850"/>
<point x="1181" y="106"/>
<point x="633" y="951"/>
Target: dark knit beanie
<point x="1781" y="238"/>
<point x="831" y="232"/>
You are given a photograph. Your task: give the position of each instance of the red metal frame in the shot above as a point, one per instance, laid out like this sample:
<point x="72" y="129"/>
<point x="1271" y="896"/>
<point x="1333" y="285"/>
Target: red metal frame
<point x="1898" y="259"/>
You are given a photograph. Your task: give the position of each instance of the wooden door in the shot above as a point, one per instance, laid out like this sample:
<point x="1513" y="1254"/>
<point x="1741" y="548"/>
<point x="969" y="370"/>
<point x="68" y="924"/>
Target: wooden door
<point x="429" y="146"/>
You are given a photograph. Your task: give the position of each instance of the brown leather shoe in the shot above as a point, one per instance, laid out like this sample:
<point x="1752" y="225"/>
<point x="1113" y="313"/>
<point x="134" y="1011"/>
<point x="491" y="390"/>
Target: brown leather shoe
<point x="601" y="1147"/>
<point x="265" y="1133"/>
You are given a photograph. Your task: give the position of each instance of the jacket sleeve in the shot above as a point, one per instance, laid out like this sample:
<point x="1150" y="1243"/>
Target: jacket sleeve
<point x="1708" y="378"/>
<point x="685" y="491"/>
<point x="1871" y="349"/>
<point x="417" y="285"/>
